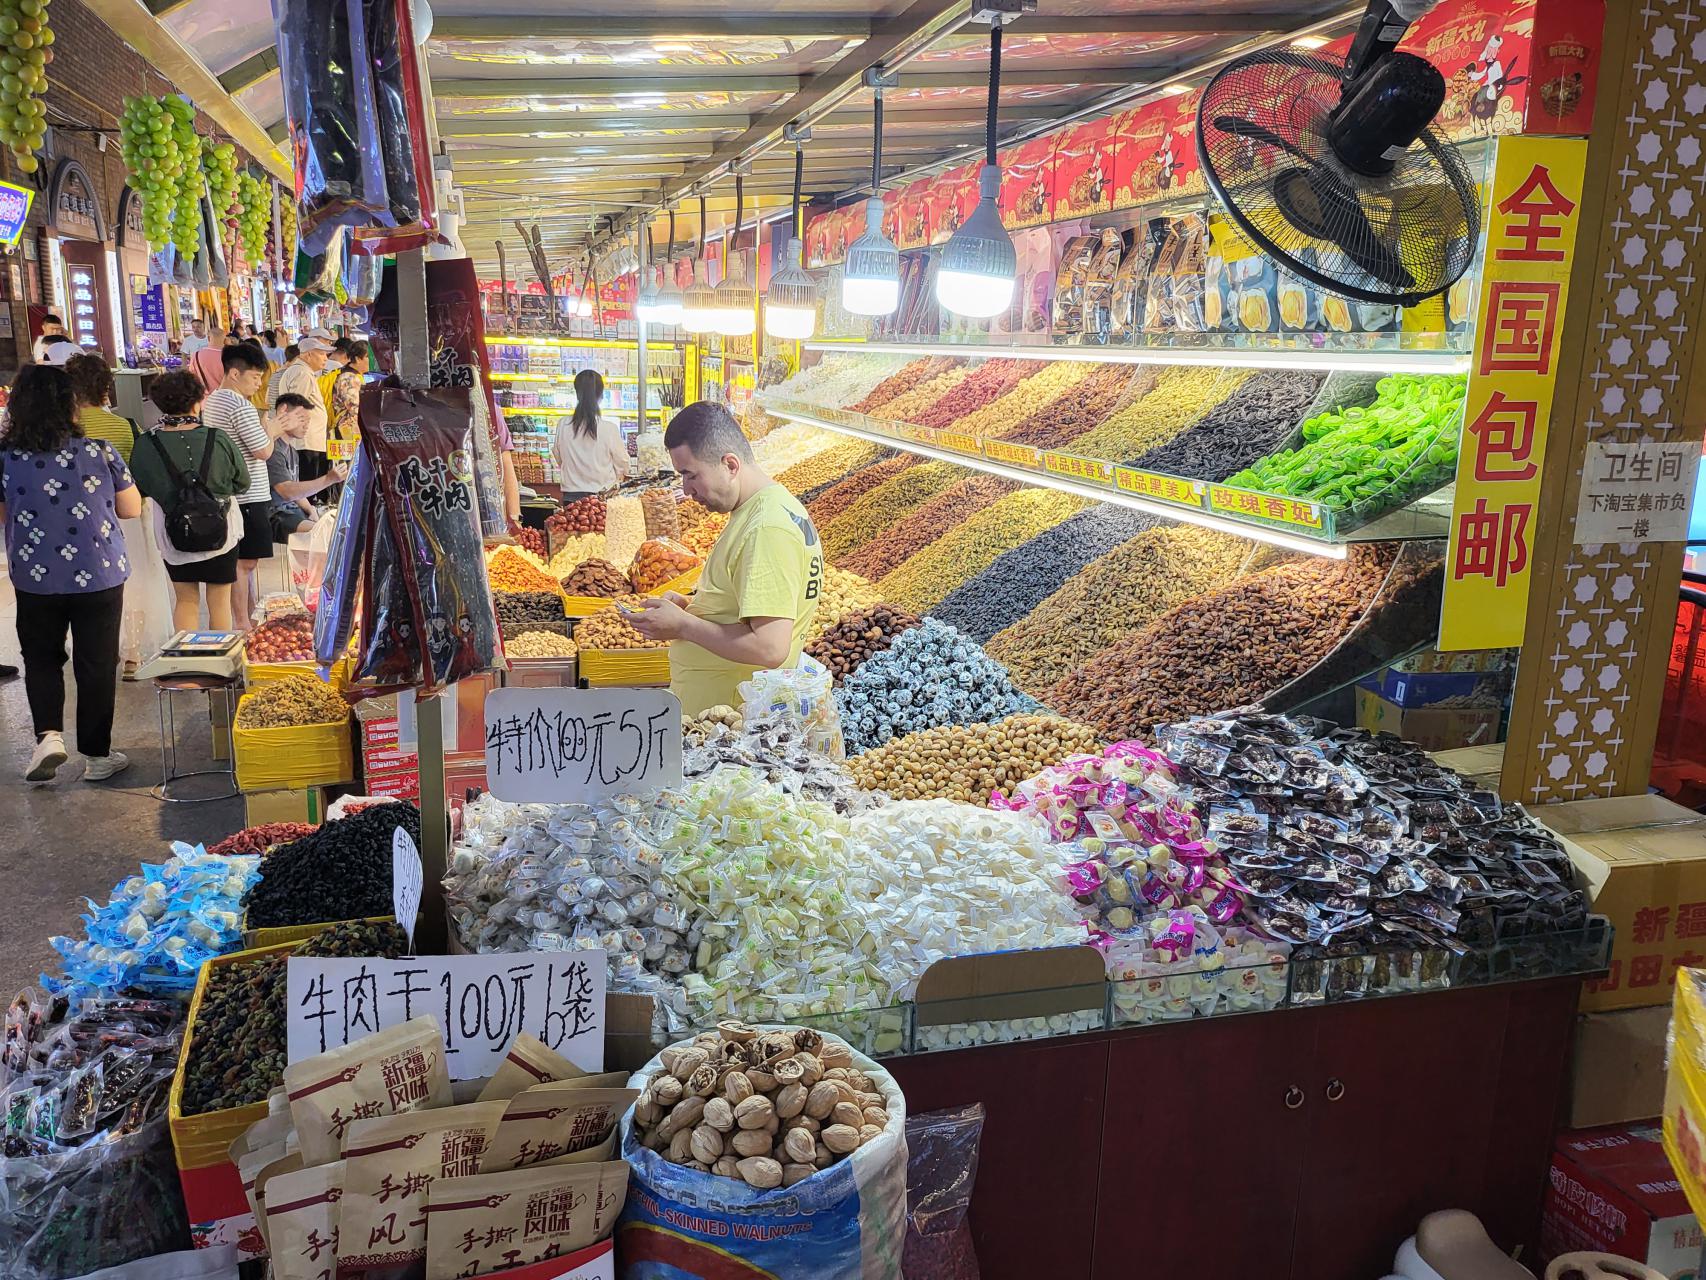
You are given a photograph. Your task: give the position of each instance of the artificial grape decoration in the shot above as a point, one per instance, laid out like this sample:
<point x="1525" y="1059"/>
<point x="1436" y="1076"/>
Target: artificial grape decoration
<point x="151" y="158"/>
<point x="186" y="215"/>
<point x="25" y="51"/>
<point x="221" y="170"/>
<point x="254" y="212"/>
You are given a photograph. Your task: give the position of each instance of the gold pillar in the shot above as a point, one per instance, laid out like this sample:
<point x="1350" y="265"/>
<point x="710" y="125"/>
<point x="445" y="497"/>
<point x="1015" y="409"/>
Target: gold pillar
<point x="1631" y="368"/>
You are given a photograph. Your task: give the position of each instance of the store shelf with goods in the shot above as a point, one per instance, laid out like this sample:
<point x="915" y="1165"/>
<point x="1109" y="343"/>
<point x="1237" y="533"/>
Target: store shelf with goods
<point x="1373" y="353"/>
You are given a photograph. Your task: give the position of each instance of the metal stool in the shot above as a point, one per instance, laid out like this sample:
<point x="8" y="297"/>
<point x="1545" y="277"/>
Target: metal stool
<point x="224" y="688"/>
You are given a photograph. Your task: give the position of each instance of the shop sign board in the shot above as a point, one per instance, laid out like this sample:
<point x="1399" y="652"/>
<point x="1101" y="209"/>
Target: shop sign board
<point x="1162" y="488"/>
<point x="481" y="1002"/>
<point x="1636" y="491"/>
<point x="73" y="211"/>
<point x="576" y="746"/>
<point x="15" y="204"/>
<point x="1531" y="233"/>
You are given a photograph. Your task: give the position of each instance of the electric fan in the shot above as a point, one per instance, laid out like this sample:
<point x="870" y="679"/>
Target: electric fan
<point x="1333" y="170"/>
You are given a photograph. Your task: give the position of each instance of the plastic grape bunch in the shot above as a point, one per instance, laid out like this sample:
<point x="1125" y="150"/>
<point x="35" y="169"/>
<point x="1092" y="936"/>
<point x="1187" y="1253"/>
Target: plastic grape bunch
<point x="221" y="174"/>
<point x="186" y="215"/>
<point x="153" y="163"/>
<point x="254" y="212"/>
<point x="25" y="50"/>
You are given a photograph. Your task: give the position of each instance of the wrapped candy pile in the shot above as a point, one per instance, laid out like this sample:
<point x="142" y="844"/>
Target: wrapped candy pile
<point x="158" y="927"/>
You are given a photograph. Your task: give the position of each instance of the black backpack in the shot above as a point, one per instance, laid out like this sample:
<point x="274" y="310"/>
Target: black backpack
<point x="195" y="519"/>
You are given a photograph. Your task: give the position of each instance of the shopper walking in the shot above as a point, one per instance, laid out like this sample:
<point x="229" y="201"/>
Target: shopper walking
<point x="166" y="461"/>
<point x="63" y="498"/>
<point x="148" y="594"/>
<point x="302" y="377"/>
<point x="205" y="364"/>
<point x="195" y="339"/>
<point x="591" y="456"/>
<point x="231" y="409"/>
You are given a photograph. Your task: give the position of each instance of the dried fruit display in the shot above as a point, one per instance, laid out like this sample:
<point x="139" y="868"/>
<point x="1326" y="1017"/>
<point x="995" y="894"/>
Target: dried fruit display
<point x="832" y="501"/>
<point x="290" y="703"/>
<point x="1112" y="597"/>
<point x="539" y="644"/>
<point x="512" y="569"/>
<point x="905" y="408"/>
<point x="260" y="838"/>
<point x="658" y="507"/>
<point x="1036" y="394"/>
<point x="987" y="383"/>
<point x="341" y="871"/>
<point x="876" y="512"/>
<point x="1178" y="398"/>
<point x="903" y="380"/>
<point x="583" y="515"/>
<point x="884" y="554"/>
<point x="859" y="636"/>
<point x="1249" y="424"/>
<point x="1089" y="404"/>
<point x="597" y="577"/>
<point x="829" y="465"/>
<point x="659" y="561"/>
<point x="792" y="444"/>
<point x="968" y="762"/>
<point x="839" y="594"/>
<point x="966" y="550"/>
<point x="288" y="639"/>
<point x="606" y="629"/>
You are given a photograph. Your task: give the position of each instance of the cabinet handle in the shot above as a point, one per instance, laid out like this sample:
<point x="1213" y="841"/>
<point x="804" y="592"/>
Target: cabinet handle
<point x="1293" y="1098"/>
<point x="1335" y="1089"/>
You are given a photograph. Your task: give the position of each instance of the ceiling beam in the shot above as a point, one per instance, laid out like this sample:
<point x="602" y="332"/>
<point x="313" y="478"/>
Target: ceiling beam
<point x="250" y="71"/>
<point x="608" y="86"/>
<point x="524" y="122"/>
<point x="1018" y="75"/>
<point x="160" y="8"/>
<point x="1213" y="23"/>
<point x="603" y="28"/>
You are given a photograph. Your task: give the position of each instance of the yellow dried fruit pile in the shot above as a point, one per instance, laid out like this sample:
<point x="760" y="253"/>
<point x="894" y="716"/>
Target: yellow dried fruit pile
<point x="832" y="501"/>
<point x="1031" y="396"/>
<point x="829" y="466"/>
<point x="1112" y="597"/>
<point x="517" y="569"/>
<point x="578" y="549"/>
<point x="905" y="408"/>
<point x="876" y="512"/>
<point x="840" y="593"/>
<point x="1179" y="398"/>
<point x="967" y="762"/>
<point x="290" y="703"/>
<point x="925" y="579"/>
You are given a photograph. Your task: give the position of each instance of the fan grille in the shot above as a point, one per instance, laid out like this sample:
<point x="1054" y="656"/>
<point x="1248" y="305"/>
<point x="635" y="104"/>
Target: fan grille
<point x="1262" y="138"/>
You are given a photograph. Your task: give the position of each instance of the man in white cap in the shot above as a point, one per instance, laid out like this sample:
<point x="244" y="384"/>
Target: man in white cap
<point x="302" y="377"/>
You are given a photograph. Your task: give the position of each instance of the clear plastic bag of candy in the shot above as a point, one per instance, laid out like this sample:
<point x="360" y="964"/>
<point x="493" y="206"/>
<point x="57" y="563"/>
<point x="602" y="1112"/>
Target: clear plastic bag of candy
<point x="802" y="697"/>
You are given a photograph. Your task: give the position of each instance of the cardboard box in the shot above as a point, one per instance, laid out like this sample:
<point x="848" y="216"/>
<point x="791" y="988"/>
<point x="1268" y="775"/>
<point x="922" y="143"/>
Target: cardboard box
<point x="1642" y="861"/>
<point x="1417" y="689"/>
<point x="1613" y="1191"/>
<point x="1483" y="765"/>
<point x="307" y="804"/>
<point x="1618" y="1074"/>
<point x="1432" y="728"/>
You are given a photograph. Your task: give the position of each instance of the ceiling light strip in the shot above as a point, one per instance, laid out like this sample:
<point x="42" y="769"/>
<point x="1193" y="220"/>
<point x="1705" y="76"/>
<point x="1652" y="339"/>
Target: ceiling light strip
<point x="1228" y="357"/>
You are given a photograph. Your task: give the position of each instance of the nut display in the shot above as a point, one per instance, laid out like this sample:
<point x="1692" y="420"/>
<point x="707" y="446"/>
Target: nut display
<point x="658" y="508"/>
<point x="516" y="610"/>
<point x="260" y="838"/>
<point x="1227" y="647"/>
<point x="695" y="729"/>
<point x="539" y="644"/>
<point x="288" y="639"/>
<point x="986" y="384"/>
<point x="907" y="406"/>
<point x="829" y="465"/>
<point x="876" y="512"/>
<point x="967" y="550"/>
<point x="659" y="561"/>
<point x="692" y="514"/>
<point x="606" y="629"/>
<point x="858" y="636"/>
<point x="1021" y="579"/>
<point x="686" y="1114"/>
<point x="236" y="1053"/>
<point x="967" y="762"/>
<point x="577" y="549"/>
<point x="832" y="501"/>
<point x="840" y="593"/>
<point x="512" y="569"/>
<point x="583" y="515"/>
<point x="1089" y="404"/>
<point x="1177" y="399"/>
<point x="884" y="554"/>
<point x="596" y="577"/>
<point x="928" y="676"/>
<point x="342" y="871"/>
<point x="291" y="702"/>
<point x="1112" y="597"/>
<point x="1251" y="422"/>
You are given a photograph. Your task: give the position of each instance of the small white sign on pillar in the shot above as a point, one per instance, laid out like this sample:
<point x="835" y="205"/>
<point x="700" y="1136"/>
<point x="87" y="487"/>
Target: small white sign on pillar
<point x="1636" y="491"/>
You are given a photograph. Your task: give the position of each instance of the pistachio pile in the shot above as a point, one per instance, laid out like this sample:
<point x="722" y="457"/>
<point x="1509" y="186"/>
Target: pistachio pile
<point x="839" y="594"/>
<point x="769" y="1108"/>
<point x="291" y="702"/>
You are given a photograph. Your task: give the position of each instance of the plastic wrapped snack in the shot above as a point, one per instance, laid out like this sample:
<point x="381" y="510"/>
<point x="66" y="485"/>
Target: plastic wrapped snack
<point x="804" y="698"/>
<point x="340" y="583"/>
<point x="400" y="111"/>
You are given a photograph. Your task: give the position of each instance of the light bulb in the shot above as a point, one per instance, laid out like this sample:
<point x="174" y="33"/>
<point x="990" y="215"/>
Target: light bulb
<point x="978" y="263"/>
<point x="870" y="282"/>
<point x="790" y="306"/>
<point x="734" y="318"/>
<point x="583" y="308"/>
<point x="699" y="304"/>
<point x="659" y="306"/>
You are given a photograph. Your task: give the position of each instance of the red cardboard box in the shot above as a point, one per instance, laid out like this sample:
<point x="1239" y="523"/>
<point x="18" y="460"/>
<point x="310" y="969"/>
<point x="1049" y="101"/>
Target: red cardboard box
<point x="1613" y="1190"/>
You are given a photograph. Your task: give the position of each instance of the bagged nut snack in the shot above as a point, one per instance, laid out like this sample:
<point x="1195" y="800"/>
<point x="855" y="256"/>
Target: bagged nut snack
<point x="302" y="1224"/>
<point x="388" y="1165"/>
<point x="553" y="1120"/>
<point x="500" y="1220"/>
<point x="529" y="1062"/>
<point x="399" y="1069"/>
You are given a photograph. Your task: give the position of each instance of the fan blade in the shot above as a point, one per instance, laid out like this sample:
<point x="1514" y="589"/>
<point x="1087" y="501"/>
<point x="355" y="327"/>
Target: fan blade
<point x="1241" y="128"/>
<point x="1348" y="227"/>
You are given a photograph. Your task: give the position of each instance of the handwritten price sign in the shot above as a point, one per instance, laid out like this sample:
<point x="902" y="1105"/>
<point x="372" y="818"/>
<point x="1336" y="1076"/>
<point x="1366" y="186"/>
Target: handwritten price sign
<point x="568" y="746"/>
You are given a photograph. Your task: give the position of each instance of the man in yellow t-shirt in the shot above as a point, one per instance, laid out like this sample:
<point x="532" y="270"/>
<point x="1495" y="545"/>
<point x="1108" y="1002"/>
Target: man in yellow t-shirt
<point x="759" y="589"/>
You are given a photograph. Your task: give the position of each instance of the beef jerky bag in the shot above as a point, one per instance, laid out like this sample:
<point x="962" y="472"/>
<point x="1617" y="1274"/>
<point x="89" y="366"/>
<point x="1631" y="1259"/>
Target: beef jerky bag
<point x="529" y="1062"/>
<point x="496" y="1221"/>
<point x="399" y="1069"/>
<point x="389" y="1163"/>
<point x="553" y="1120"/>
<point x="302" y="1222"/>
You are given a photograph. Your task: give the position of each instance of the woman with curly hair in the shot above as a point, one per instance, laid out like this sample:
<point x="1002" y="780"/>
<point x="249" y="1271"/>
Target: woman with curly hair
<point x="62" y="496"/>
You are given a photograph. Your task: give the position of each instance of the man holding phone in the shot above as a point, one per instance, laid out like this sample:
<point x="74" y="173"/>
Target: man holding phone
<point x="290" y="492"/>
<point x="760" y="586"/>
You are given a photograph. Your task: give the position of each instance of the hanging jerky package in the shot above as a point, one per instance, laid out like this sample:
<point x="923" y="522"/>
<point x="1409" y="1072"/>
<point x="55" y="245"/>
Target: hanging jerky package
<point x="213" y="244"/>
<point x="319" y="275"/>
<point x="402" y="109"/>
<point x="363" y="274"/>
<point x="334" y="135"/>
<point x="340" y="581"/>
<point x="419" y="445"/>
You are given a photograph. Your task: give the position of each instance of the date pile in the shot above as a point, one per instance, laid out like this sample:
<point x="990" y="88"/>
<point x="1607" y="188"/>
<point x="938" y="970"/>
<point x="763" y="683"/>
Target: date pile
<point x="289" y="639"/>
<point x="1353" y="841"/>
<point x="858" y="636"/>
<point x="584" y="515"/>
<point x="769" y="1108"/>
<point x="596" y="577"/>
<point x="342" y="871"/>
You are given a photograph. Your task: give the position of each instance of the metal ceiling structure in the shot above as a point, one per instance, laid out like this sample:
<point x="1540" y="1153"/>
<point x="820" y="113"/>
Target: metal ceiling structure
<point x="556" y="111"/>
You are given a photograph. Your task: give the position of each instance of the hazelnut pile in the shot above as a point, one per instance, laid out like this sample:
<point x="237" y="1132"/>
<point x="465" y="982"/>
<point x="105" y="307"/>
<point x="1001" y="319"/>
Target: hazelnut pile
<point x="967" y="762"/>
<point x="769" y="1108"/>
<point x="607" y="629"/>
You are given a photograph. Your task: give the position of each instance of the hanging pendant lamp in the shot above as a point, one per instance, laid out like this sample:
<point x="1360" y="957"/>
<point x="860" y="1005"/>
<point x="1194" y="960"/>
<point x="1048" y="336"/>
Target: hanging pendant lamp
<point x="661" y="304"/>
<point x="790" y="306"/>
<point x="583" y="307"/>
<point x="699" y="304"/>
<point x="734" y="295"/>
<point x="978" y="265"/>
<point x="870" y="279"/>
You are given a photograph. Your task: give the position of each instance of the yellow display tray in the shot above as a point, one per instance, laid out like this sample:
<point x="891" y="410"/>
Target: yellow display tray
<point x="292" y="758"/>
<point x="606" y="668"/>
<point x="256" y="674"/>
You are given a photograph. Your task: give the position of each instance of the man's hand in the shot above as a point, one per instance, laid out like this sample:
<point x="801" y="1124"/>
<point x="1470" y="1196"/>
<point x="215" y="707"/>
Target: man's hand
<point x="339" y="473"/>
<point x="664" y="619"/>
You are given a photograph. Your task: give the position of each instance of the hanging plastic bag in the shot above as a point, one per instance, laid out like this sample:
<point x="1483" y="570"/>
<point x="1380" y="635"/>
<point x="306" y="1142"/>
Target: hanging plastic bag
<point x="213" y="245"/>
<point x="363" y="274"/>
<point x="402" y="132"/>
<point x="162" y="266"/>
<point x="488" y="472"/>
<point x="335" y="599"/>
<point x="217" y="1263"/>
<point x="941" y="1168"/>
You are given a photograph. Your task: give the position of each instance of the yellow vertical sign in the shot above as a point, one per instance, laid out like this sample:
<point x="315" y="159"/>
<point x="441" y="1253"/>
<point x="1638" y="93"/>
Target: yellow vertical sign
<point x="1531" y="236"/>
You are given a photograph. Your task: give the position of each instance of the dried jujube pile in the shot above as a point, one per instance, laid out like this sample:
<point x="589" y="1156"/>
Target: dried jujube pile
<point x="967" y="762"/>
<point x="886" y="553"/>
<point x="1024" y="577"/>
<point x="970" y="548"/>
<point x="860" y="635"/>
<point x="340" y="872"/>
<point x="876" y="512"/>
<point x="260" y="838"/>
<point x="1227" y="647"/>
<point x="1112" y="597"/>
<point x="931" y="675"/>
<point x="1259" y="417"/>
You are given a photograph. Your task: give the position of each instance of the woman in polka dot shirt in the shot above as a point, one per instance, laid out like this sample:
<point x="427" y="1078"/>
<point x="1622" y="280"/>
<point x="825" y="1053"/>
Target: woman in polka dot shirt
<point x="62" y="496"/>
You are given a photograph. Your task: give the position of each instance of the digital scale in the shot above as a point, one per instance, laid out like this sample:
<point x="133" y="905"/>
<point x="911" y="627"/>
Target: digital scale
<point x="205" y="653"/>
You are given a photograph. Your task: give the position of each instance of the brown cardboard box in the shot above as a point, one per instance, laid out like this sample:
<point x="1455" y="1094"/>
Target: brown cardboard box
<point x="1619" y="1068"/>
<point x="1482" y="765"/>
<point x="1642" y="860"/>
<point x="306" y="805"/>
<point x="1432" y="728"/>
